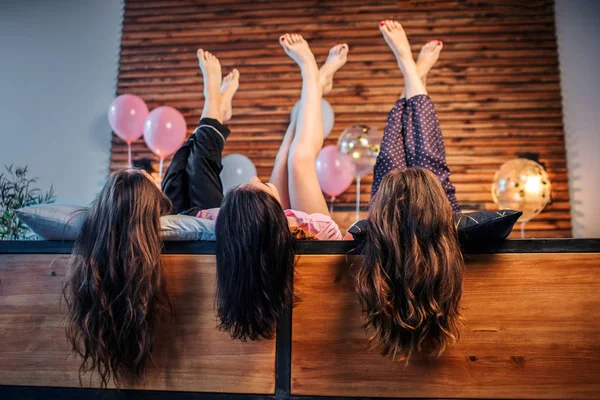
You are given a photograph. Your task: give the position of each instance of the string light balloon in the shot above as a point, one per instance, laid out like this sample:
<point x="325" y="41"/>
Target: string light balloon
<point x="361" y="143"/>
<point x="524" y="185"/>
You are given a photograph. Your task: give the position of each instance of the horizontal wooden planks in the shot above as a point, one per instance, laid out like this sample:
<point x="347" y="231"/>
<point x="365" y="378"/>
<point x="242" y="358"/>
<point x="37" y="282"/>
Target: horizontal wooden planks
<point x="190" y="353"/>
<point x="530" y="332"/>
<point x="496" y="86"/>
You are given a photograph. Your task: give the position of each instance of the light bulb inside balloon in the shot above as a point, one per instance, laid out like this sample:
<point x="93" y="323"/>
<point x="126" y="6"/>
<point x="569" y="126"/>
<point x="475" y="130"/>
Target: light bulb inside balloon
<point x="523" y="185"/>
<point x="534" y="184"/>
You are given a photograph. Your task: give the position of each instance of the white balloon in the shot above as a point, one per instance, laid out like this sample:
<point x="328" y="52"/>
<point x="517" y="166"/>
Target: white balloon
<point x="328" y="116"/>
<point x="237" y="169"/>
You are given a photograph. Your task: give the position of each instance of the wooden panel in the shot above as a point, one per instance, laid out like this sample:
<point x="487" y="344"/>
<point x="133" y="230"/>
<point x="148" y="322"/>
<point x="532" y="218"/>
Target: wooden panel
<point x="190" y="353"/>
<point x="531" y="332"/>
<point x="496" y="86"/>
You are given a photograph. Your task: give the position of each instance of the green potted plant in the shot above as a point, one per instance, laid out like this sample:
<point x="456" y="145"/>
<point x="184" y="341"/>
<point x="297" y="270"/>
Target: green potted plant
<point x="16" y="191"/>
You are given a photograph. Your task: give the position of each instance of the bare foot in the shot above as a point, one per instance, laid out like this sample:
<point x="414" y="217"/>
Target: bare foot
<point x="296" y="47"/>
<point x="228" y="88"/>
<point x="335" y="60"/>
<point x="428" y="56"/>
<point x="211" y="73"/>
<point x="395" y="37"/>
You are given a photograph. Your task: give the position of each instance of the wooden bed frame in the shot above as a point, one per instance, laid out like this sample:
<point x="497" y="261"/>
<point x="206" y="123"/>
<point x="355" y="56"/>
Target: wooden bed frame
<point x="532" y="331"/>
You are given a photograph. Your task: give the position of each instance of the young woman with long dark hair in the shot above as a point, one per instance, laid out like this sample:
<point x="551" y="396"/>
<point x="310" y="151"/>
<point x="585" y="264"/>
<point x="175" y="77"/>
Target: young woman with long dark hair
<point x="410" y="280"/>
<point x="116" y="289"/>
<point x="257" y="223"/>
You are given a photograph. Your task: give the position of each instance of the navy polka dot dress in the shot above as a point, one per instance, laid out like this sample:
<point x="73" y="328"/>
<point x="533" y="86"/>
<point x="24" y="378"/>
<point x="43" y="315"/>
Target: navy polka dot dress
<point x="413" y="138"/>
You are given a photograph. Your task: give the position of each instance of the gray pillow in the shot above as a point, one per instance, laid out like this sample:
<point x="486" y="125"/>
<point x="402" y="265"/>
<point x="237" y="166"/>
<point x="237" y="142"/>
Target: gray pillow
<point x="186" y="227"/>
<point x="63" y="222"/>
<point x="53" y="221"/>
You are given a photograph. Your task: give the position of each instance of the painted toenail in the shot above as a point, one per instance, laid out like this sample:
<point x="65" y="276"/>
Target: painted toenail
<point x="381" y="23"/>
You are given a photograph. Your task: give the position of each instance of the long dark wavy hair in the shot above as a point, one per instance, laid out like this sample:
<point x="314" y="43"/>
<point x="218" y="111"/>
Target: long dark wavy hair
<point x="115" y="289"/>
<point x="410" y="281"/>
<point x="255" y="264"/>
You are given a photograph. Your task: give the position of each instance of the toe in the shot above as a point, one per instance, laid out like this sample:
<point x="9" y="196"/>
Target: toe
<point x="200" y="54"/>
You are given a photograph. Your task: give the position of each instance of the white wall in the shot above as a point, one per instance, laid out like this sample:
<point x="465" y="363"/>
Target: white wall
<point x="578" y="32"/>
<point x="58" y="73"/>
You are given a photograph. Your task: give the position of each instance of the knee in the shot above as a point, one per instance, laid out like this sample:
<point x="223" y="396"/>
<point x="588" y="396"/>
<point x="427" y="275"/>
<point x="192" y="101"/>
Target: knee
<point x="300" y="158"/>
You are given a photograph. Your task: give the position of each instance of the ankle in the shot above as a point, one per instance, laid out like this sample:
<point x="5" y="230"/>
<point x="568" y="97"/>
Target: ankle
<point x="411" y="75"/>
<point x="224" y="102"/>
<point x="408" y="65"/>
<point x="310" y="72"/>
<point x="212" y="96"/>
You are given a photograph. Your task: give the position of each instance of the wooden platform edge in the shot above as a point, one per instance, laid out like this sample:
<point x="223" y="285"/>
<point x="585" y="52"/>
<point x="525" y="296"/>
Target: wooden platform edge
<point x="318" y="247"/>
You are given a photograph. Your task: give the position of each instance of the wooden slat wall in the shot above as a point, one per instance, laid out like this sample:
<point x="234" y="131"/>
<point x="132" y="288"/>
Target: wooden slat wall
<point x="496" y="86"/>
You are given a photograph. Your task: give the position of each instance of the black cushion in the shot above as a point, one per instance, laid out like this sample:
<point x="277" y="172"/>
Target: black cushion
<point x="482" y="229"/>
<point x="476" y="230"/>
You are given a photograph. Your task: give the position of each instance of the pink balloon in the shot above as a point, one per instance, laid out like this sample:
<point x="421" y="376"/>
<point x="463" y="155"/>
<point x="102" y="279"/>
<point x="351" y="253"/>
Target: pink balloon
<point x="164" y="131"/>
<point x="126" y="116"/>
<point x="334" y="170"/>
